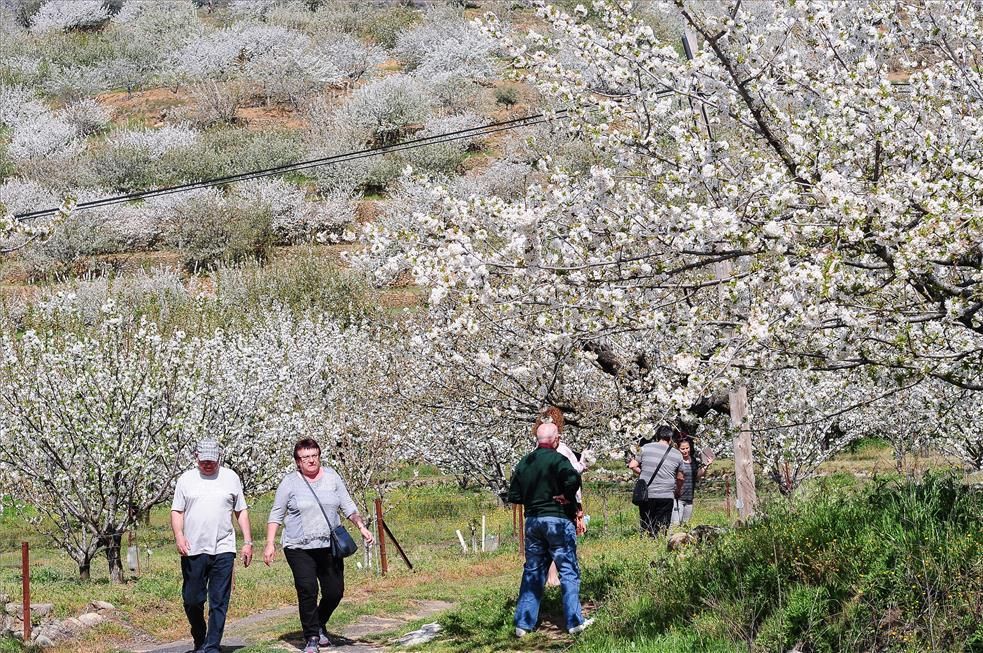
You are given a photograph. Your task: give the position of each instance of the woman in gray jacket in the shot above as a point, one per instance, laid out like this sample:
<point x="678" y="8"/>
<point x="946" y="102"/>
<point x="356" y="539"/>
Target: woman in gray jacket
<point x="307" y="537"/>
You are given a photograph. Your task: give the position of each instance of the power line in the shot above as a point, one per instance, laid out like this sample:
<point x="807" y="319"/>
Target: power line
<point x="472" y="132"/>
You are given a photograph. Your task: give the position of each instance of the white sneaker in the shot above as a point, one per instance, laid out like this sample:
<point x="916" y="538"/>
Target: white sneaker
<point x="323" y="639"/>
<point x="520" y="632"/>
<point x="581" y="628"/>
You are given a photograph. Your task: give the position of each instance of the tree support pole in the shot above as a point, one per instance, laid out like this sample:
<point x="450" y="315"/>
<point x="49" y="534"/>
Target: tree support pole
<point x="383" y="562"/>
<point x="25" y="559"/>
<point x="399" y="549"/>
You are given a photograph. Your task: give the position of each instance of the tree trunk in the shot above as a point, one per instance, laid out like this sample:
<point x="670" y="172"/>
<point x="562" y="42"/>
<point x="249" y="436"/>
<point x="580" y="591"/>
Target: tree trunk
<point x="113" y="557"/>
<point x="84" y="569"/>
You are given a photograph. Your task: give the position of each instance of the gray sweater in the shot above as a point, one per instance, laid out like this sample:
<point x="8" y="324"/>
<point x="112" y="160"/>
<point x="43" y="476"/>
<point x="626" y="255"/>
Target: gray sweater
<point x="665" y="482"/>
<point x="304" y="526"/>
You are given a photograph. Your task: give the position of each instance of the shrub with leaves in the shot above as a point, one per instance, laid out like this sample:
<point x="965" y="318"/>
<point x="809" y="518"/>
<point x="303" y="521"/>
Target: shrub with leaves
<point x="210" y="228"/>
<point x="893" y="566"/>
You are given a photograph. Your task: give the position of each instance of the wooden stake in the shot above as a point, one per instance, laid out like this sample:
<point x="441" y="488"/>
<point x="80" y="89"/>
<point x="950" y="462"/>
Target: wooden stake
<point x="383" y="562"/>
<point x="747" y="497"/>
<point x="25" y="558"/>
<point x="399" y="549"/>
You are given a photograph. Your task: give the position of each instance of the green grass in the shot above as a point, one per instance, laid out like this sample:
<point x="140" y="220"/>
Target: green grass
<point x="825" y="569"/>
<point x="889" y="566"/>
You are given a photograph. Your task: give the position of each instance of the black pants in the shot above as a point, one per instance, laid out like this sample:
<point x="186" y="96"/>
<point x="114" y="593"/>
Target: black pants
<point x="311" y="567"/>
<point x="655" y="515"/>
<point x="207" y="576"/>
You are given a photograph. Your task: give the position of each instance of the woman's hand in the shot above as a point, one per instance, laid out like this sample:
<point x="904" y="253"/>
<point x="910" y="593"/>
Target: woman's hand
<point x="269" y="553"/>
<point x="366" y="534"/>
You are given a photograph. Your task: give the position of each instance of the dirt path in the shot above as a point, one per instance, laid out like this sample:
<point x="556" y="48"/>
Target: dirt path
<point x="248" y="630"/>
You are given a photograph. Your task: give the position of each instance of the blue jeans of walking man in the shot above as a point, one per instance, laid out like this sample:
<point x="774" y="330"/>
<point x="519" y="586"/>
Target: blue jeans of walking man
<point x="549" y="539"/>
<point x="207" y="577"/>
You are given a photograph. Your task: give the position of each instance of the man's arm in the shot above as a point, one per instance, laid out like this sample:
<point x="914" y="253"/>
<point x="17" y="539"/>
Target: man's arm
<point x="680" y="481"/>
<point x="177" y="527"/>
<point x="242" y="516"/>
<point x="515" y="487"/>
<point x="569" y="480"/>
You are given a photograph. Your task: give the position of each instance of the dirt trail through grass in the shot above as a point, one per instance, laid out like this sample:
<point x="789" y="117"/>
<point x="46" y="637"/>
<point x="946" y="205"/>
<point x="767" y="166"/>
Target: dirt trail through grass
<point x="251" y="630"/>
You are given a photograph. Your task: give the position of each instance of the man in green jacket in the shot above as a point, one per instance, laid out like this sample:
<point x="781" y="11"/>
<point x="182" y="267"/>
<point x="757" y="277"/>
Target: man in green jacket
<point x="546" y="483"/>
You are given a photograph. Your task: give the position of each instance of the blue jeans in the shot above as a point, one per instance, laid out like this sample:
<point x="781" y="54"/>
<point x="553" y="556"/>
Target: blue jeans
<point x="549" y="539"/>
<point x="207" y="576"/>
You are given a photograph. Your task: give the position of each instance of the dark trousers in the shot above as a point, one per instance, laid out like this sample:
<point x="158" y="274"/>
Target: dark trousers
<point x="207" y="576"/>
<point x="310" y="568"/>
<point x="655" y="515"/>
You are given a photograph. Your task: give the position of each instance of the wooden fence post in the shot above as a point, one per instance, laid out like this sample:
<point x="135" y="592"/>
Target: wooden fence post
<point x="727" y="496"/>
<point x="383" y="562"/>
<point x="25" y="558"/>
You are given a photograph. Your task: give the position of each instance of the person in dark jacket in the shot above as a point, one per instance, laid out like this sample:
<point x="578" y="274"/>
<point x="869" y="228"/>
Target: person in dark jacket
<point x="546" y="484"/>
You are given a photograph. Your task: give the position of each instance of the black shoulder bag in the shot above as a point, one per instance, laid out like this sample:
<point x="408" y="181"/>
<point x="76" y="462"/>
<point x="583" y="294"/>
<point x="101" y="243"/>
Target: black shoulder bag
<point x="342" y="543"/>
<point x="640" y="493"/>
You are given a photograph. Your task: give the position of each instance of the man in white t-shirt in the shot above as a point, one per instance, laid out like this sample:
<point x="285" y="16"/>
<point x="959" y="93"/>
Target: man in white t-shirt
<point x="205" y="499"/>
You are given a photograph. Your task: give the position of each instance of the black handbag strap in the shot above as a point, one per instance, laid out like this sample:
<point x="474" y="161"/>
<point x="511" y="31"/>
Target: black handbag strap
<point x="654" y="474"/>
<point x="317" y="500"/>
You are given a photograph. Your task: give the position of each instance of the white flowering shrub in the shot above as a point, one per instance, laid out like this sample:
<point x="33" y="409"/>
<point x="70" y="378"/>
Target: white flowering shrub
<point x="98" y="438"/>
<point x="23" y="195"/>
<point x="146" y="34"/>
<point x="35" y="131"/>
<point x="384" y="108"/>
<point x="72" y="82"/>
<point x="255" y="9"/>
<point x="959" y="432"/>
<point x="444" y="158"/>
<point x="87" y="116"/>
<point x="445" y="42"/>
<point x="19" y="105"/>
<point x="284" y="64"/>
<point x="353" y="58"/>
<point x="796" y="428"/>
<point x="50" y="135"/>
<point x="63" y="15"/>
<point x="155" y="141"/>
<point x="505" y="179"/>
<point x="215" y="103"/>
<point x="139" y="159"/>
<point x="344" y="178"/>
<point x="293" y="218"/>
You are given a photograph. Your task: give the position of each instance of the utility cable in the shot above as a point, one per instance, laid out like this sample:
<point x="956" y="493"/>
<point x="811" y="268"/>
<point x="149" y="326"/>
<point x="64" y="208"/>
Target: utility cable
<point x="436" y="139"/>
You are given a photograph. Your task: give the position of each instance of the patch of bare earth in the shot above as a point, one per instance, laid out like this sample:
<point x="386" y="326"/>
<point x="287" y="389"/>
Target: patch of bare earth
<point x="151" y="105"/>
<point x="266" y="118"/>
